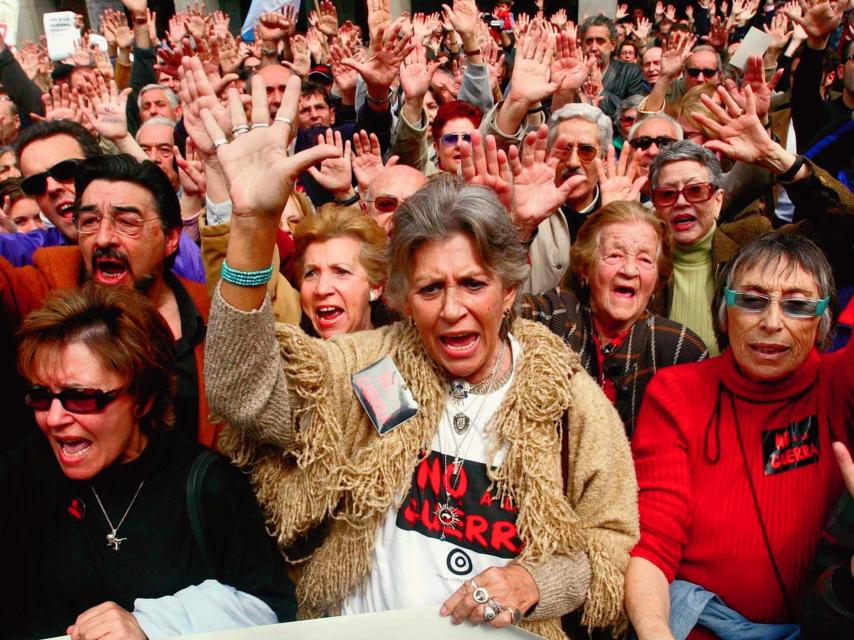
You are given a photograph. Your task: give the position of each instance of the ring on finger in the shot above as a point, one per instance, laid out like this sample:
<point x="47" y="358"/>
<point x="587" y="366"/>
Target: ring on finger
<point x="219" y="142"/>
<point x="515" y="614"/>
<point x="284" y="119"/>
<point x="240" y="129"/>
<point x="260" y="125"/>
<point x="480" y="595"/>
<point x="489" y="613"/>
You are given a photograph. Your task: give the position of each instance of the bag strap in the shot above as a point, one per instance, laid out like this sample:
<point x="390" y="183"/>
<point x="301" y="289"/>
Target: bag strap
<point x="194" y="504"/>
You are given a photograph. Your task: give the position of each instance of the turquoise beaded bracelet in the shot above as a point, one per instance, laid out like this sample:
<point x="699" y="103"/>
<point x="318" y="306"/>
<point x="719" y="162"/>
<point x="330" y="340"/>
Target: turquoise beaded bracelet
<point x="246" y="278"/>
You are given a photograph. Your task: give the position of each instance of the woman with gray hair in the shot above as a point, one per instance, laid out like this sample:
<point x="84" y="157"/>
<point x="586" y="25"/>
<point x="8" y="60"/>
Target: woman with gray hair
<point x="462" y="460"/>
<point x="733" y="458"/>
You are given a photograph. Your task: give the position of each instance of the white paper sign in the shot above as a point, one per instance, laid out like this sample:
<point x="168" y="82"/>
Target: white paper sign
<point x="62" y="35"/>
<point x="756" y="42"/>
<point x="99" y="40"/>
<point x="9" y="20"/>
<point x="411" y="624"/>
<point x="263" y="6"/>
<point x="592" y="8"/>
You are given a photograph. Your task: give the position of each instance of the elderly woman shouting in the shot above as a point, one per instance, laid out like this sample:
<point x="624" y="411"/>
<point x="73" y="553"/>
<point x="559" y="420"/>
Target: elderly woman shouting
<point x="462" y="459"/>
<point x="733" y="456"/>
<point x="620" y="258"/>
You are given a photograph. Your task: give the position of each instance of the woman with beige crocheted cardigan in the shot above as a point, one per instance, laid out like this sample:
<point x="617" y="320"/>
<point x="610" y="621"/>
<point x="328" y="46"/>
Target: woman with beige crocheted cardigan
<point x="463" y="460"/>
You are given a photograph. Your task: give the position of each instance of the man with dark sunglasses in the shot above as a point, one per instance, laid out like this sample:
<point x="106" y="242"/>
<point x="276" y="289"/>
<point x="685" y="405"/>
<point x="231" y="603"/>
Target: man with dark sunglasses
<point x="650" y="136"/>
<point x="128" y="226"/>
<point x="49" y="154"/>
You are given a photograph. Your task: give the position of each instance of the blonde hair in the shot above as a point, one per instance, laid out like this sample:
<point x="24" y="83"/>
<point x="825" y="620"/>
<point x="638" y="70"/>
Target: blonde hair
<point x="690" y="103"/>
<point x="335" y="221"/>
<point x="585" y="249"/>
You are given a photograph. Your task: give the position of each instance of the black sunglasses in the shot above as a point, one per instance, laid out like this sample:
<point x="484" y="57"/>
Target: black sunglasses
<point x="696" y="71"/>
<point x="74" y="400"/>
<point x="36" y="185"/>
<point x="645" y="142"/>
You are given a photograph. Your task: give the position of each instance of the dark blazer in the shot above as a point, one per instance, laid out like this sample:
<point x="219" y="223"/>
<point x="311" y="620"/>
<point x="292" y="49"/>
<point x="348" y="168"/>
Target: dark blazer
<point x="622" y="79"/>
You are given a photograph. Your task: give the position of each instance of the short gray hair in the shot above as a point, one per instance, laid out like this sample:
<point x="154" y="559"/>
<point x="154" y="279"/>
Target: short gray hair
<point x="705" y="47"/>
<point x="597" y="21"/>
<point x="632" y="102"/>
<point x="443" y="207"/>
<point x="690" y="151"/>
<point x="680" y="134"/>
<point x="171" y="96"/>
<point x="775" y="250"/>
<point x="583" y="112"/>
<point x="156" y="120"/>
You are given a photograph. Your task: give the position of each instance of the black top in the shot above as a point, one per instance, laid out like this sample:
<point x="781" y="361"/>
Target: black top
<point x="186" y="401"/>
<point x="53" y="536"/>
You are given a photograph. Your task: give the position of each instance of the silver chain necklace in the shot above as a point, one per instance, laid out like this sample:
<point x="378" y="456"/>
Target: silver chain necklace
<point x="460" y="389"/>
<point x="112" y="537"/>
<point x="446" y="513"/>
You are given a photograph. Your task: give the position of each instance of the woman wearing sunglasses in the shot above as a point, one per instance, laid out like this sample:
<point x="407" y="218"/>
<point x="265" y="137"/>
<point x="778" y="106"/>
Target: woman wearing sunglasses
<point x="733" y="456"/>
<point x="103" y="528"/>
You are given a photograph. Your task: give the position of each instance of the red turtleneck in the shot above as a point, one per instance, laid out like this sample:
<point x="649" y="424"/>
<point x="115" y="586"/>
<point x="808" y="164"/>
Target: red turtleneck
<point x="697" y="514"/>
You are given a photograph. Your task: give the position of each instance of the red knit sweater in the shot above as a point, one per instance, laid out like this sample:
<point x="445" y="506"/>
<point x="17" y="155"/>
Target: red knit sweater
<point x="697" y="515"/>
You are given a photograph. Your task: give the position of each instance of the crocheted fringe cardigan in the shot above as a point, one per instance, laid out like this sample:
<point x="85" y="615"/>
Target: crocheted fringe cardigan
<point x="314" y="455"/>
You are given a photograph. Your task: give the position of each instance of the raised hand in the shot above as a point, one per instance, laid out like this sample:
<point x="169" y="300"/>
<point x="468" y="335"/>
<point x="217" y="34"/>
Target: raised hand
<point x="191" y="170"/>
<point x="559" y="18"/>
<point x="367" y="161"/>
<point x="260" y="174"/>
<point x="196" y="94"/>
<point x="381" y="68"/>
<point x="482" y="163"/>
<point x="738" y="132"/>
<point x="104" y="108"/>
<point x="7" y="225"/>
<point x="530" y="80"/>
<point x="346" y="77"/>
<point x="622" y="12"/>
<point x="536" y="193"/>
<point x="336" y="173"/>
<point x="619" y="180"/>
<point x="195" y="23"/>
<point x="327" y="19"/>
<point x="820" y="18"/>
<point x="464" y="16"/>
<point x="643" y="29"/>
<point x="670" y="13"/>
<point x="779" y="31"/>
<point x="302" y="61"/>
<point x="677" y="50"/>
<point x="718" y="35"/>
<point x="416" y="73"/>
<point x="379" y="18"/>
<point x="754" y="76"/>
<point x="59" y="104"/>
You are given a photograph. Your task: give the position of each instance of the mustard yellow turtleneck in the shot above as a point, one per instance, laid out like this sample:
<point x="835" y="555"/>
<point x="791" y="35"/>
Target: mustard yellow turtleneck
<point x="694" y="289"/>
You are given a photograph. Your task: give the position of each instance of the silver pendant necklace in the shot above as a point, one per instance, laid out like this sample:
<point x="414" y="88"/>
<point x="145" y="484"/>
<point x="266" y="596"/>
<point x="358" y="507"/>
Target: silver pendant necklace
<point x="446" y="513"/>
<point x="460" y="389"/>
<point x="112" y="537"/>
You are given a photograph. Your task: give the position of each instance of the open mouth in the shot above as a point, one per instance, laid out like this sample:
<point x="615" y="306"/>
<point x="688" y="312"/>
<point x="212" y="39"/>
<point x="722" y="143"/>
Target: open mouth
<point x="682" y="222"/>
<point x="625" y="291"/>
<point x="328" y="315"/>
<point x="73" y="448"/>
<point x="459" y="343"/>
<point x="109" y="270"/>
<point x="66" y="210"/>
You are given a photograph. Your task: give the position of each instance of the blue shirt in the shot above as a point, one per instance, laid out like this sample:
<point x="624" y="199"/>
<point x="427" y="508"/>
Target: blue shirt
<point x="18" y="249"/>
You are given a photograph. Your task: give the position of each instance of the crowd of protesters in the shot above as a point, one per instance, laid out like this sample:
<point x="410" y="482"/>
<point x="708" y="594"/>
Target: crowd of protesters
<point x="470" y="309"/>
